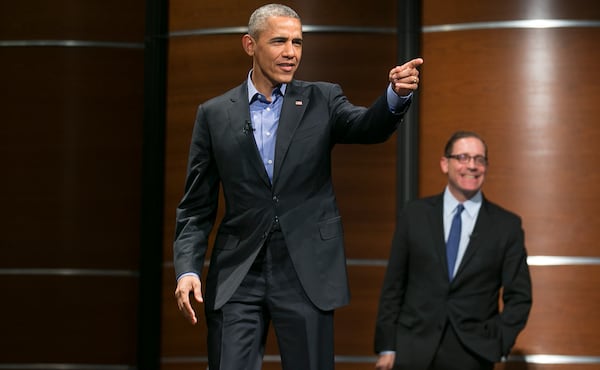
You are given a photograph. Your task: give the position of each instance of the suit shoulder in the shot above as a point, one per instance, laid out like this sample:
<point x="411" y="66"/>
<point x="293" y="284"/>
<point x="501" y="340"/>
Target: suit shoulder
<point x="231" y="95"/>
<point x="422" y="204"/>
<point x="499" y="211"/>
<point x="323" y="87"/>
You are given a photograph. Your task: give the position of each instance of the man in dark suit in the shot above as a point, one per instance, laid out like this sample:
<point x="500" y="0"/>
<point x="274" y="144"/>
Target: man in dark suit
<point x="278" y="255"/>
<point x="439" y="310"/>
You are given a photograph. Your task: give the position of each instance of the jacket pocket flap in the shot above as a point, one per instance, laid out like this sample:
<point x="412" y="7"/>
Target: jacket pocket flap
<point x="331" y="228"/>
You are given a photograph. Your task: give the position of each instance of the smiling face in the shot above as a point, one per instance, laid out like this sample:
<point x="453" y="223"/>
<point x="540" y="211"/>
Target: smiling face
<point x="276" y="52"/>
<point x="465" y="179"/>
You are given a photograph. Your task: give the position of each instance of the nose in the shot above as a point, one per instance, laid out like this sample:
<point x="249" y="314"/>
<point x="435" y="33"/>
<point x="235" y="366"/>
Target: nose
<point x="472" y="164"/>
<point x="289" y="50"/>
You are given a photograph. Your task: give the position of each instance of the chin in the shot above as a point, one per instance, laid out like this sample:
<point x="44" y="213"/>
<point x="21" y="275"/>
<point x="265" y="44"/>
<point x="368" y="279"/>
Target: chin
<point x="286" y="79"/>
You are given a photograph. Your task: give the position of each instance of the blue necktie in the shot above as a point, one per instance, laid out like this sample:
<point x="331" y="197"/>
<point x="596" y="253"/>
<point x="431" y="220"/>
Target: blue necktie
<point x="454" y="240"/>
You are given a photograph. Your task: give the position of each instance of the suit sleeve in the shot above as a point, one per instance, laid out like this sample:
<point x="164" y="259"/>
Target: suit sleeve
<point x="360" y="125"/>
<point x="516" y="282"/>
<point x="196" y="212"/>
<point x="392" y="292"/>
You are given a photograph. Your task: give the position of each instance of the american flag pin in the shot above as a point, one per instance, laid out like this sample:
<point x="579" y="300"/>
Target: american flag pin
<point x="298" y="102"/>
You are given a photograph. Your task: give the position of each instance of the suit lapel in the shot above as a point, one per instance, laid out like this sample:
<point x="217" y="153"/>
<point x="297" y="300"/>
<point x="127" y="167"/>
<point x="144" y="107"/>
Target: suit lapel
<point x="292" y="111"/>
<point x="436" y="225"/>
<point x="239" y="116"/>
<point x="483" y="226"/>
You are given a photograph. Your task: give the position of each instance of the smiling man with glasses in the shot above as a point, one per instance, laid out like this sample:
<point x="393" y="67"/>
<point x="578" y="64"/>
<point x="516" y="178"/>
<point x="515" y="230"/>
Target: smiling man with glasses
<point x="454" y="257"/>
<point x="465" y="162"/>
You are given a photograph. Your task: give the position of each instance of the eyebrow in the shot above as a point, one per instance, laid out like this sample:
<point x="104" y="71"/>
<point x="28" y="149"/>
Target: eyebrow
<point x="284" y="38"/>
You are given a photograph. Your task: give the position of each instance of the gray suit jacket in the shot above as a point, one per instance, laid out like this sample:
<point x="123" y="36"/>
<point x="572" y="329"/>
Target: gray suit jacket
<point x="223" y="153"/>
<point x="417" y="300"/>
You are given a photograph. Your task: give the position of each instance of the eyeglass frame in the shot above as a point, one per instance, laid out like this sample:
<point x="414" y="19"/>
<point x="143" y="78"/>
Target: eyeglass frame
<point x="464" y="158"/>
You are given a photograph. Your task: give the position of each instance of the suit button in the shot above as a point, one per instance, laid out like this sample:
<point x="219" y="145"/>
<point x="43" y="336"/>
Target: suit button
<point x="275" y="199"/>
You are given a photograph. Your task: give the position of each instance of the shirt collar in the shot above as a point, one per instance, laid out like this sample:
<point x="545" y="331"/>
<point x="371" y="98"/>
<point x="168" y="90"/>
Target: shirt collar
<point x="253" y="92"/>
<point x="471" y="205"/>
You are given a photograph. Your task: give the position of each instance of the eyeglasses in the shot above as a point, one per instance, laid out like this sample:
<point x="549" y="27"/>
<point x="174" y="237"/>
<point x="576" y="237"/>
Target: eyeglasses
<point x="464" y="158"/>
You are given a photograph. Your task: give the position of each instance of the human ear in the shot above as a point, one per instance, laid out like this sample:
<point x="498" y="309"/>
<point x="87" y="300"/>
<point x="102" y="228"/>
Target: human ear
<point x="444" y="164"/>
<point x="248" y="44"/>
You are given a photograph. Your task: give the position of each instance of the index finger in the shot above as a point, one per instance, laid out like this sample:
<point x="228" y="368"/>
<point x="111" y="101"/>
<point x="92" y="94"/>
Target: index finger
<point x="184" y="304"/>
<point x="188" y="312"/>
<point x="414" y="63"/>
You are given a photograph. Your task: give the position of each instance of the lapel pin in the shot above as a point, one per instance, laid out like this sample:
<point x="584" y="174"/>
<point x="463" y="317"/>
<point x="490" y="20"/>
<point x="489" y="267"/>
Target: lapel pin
<point x="298" y="102"/>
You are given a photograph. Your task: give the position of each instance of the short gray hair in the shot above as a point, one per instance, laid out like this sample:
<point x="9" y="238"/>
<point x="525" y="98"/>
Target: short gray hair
<point x="259" y="17"/>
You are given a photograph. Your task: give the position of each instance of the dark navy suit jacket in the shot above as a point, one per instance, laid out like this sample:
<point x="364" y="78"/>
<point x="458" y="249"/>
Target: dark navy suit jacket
<point x="314" y="117"/>
<point x="417" y="299"/>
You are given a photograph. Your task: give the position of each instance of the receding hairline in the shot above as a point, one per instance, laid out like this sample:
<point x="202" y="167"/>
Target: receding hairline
<point x="258" y="19"/>
<point x="463" y="135"/>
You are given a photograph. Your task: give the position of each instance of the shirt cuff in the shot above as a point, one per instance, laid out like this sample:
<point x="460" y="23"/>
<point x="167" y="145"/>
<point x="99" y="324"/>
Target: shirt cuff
<point x="188" y="274"/>
<point x="395" y="101"/>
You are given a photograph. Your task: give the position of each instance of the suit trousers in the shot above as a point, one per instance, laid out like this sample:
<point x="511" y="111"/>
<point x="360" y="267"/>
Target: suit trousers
<point x="453" y="355"/>
<point x="270" y="293"/>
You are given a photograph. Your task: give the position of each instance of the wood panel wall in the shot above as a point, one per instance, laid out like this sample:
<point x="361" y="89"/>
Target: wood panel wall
<point x="71" y="144"/>
<point x="532" y="93"/>
<point x="70" y="152"/>
<point x="71" y="139"/>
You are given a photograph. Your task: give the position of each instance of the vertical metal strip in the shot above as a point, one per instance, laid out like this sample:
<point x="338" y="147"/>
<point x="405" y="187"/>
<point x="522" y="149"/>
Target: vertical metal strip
<point x="152" y="186"/>
<point x="409" y="47"/>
